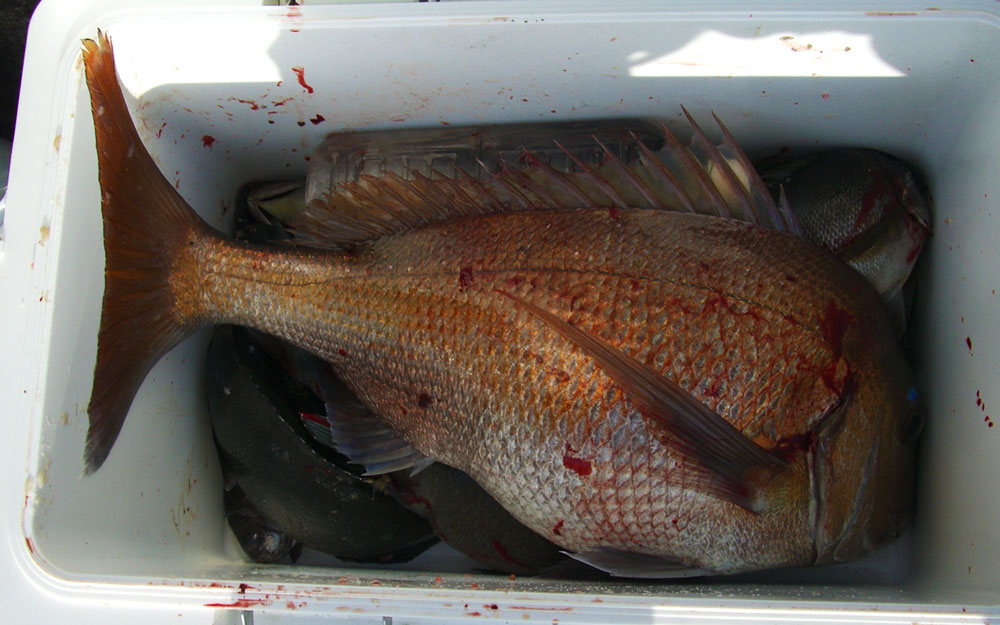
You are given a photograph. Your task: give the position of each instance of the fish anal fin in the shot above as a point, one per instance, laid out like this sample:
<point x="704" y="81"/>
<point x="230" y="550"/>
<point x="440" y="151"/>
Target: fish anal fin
<point x="621" y="563"/>
<point x="733" y="465"/>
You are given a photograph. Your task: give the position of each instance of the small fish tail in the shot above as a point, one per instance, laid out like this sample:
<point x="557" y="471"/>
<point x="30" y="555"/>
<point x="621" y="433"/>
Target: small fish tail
<point x="145" y="223"/>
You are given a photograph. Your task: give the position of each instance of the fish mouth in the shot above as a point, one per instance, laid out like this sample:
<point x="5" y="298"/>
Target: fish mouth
<point x="822" y="474"/>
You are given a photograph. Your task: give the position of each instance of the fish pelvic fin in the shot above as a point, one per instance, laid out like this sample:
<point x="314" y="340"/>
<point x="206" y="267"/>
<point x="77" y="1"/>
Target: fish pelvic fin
<point x="731" y="462"/>
<point x="145" y="223"/>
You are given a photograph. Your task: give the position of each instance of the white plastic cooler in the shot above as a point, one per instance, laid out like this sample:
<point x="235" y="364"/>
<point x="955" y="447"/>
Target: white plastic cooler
<point x="228" y="92"/>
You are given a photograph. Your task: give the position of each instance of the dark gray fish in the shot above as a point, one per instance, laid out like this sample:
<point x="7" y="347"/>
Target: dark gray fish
<point x="297" y="486"/>
<point x="466" y="517"/>
<point x="260" y="539"/>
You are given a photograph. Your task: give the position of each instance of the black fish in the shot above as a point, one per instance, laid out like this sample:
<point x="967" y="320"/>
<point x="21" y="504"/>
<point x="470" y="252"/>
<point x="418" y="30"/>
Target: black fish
<point x="298" y="487"/>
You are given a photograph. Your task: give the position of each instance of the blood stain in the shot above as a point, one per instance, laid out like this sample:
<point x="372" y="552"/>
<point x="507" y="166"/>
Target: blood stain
<point x="424" y="400"/>
<point x="239" y="603"/>
<point x="465" y="278"/>
<point x="207" y="140"/>
<point x="300" y="73"/>
<point x="580" y="466"/>
<point x="319" y="119"/>
<point x="557" y="528"/>
<point x="968" y="341"/>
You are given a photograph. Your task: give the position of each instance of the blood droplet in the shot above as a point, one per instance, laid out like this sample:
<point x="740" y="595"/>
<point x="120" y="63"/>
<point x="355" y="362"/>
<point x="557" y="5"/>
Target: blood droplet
<point x="207" y="140"/>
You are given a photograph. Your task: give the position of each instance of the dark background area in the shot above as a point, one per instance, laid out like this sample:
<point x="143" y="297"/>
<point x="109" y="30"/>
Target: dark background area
<point x="14" y="17"/>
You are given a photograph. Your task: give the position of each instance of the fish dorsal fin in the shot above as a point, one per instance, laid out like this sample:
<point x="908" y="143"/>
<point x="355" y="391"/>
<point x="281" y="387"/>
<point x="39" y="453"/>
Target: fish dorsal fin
<point x="728" y="459"/>
<point x="628" y="564"/>
<point x="702" y="178"/>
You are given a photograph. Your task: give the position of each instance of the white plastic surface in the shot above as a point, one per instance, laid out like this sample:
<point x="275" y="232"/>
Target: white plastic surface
<point x="145" y="534"/>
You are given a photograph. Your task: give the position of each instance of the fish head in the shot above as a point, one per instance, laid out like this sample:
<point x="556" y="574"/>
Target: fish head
<point x="864" y="462"/>
<point x="887" y="247"/>
<point x="867" y="207"/>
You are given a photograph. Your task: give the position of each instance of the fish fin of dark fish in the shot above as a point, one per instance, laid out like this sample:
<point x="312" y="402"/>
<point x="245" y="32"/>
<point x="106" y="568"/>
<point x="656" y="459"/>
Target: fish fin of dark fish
<point x="138" y="323"/>
<point x="421" y="466"/>
<point x="319" y="430"/>
<point x="620" y="563"/>
<point x="728" y="457"/>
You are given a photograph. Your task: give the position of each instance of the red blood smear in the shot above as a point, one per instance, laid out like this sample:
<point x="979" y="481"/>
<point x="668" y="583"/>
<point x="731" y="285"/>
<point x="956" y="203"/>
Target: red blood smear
<point x="300" y="72"/>
<point x="290" y="605"/>
<point x="968" y="341"/>
<point x="491" y="606"/>
<point x="613" y="213"/>
<point x="788" y="447"/>
<point x="474" y="613"/>
<point x="280" y="102"/>
<point x="308" y="416"/>
<point x="557" y="528"/>
<point x="159" y="133"/>
<point x="579" y="465"/>
<point x="498" y="547"/>
<point x="31" y="546"/>
<point x="239" y="603"/>
<point x="253" y="105"/>
<point x="834" y="325"/>
<point x="465" y="278"/>
<point x="207" y="140"/>
<point x="319" y="119"/>
<point x="424" y="400"/>
<point x="243" y="588"/>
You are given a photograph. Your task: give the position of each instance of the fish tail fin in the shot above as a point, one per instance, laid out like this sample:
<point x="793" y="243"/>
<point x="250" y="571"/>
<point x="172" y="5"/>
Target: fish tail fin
<point x="145" y="223"/>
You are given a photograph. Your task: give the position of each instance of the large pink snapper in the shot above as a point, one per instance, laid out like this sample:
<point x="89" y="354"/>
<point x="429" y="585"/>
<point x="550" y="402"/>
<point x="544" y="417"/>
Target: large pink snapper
<point x="660" y="393"/>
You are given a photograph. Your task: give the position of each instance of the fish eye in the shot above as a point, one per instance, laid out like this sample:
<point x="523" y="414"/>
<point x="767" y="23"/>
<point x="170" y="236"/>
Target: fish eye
<point x="912" y="421"/>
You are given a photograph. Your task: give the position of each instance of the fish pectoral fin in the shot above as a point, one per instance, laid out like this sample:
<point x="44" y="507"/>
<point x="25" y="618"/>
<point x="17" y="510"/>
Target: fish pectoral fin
<point x="622" y="563"/>
<point x="729" y="460"/>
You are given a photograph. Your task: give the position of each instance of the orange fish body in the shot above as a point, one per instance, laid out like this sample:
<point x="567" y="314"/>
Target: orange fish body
<point x="660" y="393"/>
